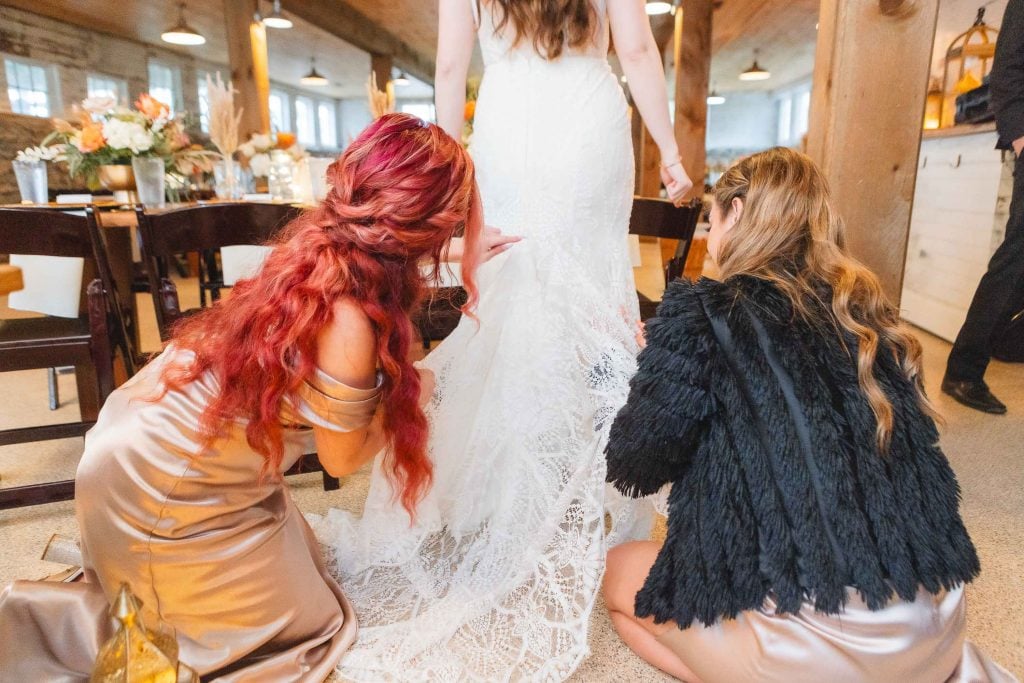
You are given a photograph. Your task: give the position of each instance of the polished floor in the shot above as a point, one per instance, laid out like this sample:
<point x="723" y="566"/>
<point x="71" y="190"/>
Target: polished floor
<point x="987" y="453"/>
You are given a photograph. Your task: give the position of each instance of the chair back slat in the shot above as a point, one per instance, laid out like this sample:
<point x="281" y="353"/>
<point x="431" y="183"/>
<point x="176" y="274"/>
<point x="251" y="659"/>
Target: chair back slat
<point x="44" y="232"/>
<point x="661" y="218"/>
<point x="211" y="226"/>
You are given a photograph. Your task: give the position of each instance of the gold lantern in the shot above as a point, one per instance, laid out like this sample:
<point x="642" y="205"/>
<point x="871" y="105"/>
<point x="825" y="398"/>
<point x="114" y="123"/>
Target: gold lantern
<point x="968" y="61"/>
<point x="135" y="654"/>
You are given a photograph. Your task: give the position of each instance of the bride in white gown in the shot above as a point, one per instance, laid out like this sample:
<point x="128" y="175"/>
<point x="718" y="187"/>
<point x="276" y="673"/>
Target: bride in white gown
<point x="495" y="579"/>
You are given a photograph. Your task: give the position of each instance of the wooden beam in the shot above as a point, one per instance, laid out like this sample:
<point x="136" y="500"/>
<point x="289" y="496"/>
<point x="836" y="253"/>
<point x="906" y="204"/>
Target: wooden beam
<point x="380" y="66"/>
<point x="353" y="27"/>
<point x="693" y="71"/>
<point x="247" y="55"/>
<point x="865" y="131"/>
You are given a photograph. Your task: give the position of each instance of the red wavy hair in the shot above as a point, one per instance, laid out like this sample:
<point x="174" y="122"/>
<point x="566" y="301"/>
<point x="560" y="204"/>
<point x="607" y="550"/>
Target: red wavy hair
<point x="399" y="193"/>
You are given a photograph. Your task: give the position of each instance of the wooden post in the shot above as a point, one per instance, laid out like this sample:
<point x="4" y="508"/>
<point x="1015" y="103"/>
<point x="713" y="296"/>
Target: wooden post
<point x="247" y="54"/>
<point x="692" y="57"/>
<point x="870" y="82"/>
<point x="381" y="66"/>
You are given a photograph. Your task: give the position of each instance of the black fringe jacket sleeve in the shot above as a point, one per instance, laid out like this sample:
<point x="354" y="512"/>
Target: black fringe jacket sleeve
<point x="654" y="436"/>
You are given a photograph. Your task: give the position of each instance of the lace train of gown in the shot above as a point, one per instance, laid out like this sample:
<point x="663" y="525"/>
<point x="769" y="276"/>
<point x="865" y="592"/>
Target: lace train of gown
<point x="497" y="576"/>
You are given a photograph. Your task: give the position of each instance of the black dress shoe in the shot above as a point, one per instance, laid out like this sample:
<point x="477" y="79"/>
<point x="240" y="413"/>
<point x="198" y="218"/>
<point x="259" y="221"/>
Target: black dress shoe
<point x="973" y="395"/>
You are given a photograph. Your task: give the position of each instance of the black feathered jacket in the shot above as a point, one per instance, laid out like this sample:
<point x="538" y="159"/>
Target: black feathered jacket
<point x="758" y="419"/>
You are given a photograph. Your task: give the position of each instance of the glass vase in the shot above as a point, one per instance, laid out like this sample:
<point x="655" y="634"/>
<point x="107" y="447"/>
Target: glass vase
<point x="150" y="183"/>
<point x="281" y="176"/>
<point x="31" y="177"/>
<point x="228" y="181"/>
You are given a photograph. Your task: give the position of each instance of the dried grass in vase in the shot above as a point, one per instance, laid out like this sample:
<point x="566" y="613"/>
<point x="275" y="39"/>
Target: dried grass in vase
<point x="381" y="101"/>
<point x="224" y="121"/>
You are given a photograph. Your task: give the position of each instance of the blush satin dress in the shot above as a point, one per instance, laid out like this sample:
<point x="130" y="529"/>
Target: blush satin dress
<point x="215" y="551"/>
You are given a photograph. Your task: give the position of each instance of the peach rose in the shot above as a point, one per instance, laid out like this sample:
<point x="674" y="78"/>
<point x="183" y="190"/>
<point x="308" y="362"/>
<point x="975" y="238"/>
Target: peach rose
<point x="91" y="139"/>
<point x="470" y="111"/>
<point x="151" y="107"/>
<point x="285" y="140"/>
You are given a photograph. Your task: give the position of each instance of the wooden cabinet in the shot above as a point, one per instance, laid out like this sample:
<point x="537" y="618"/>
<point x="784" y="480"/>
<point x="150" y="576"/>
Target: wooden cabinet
<point x="961" y="203"/>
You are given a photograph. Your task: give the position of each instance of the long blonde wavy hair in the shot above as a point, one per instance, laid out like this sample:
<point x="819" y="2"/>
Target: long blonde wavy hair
<point x="550" y="25"/>
<point x="789" y="234"/>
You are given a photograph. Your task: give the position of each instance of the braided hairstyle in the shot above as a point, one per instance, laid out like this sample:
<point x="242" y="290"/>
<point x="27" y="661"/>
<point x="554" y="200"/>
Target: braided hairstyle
<point x="398" y="195"/>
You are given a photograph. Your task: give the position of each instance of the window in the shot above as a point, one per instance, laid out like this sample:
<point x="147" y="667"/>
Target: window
<point x="424" y="110"/>
<point x="98" y="85"/>
<point x="327" y="117"/>
<point x="165" y="85"/>
<point x="31" y="87"/>
<point x="785" y="120"/>
<point x="280" y="111"/>
<point x="794" y="107"/>
<point x="203" y="90"/>
<point x="305" y="121"/>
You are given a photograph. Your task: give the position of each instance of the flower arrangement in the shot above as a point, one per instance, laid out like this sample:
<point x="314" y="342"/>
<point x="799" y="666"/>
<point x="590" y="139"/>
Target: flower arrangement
<point x="38" y="153"/>
<point x="469" y="112"/>
<point x="110" y="135"/>
<point x="256" y="152"/>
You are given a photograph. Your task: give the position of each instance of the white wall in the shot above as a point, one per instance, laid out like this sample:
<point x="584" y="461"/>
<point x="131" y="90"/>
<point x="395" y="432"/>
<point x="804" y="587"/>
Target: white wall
<point x="747" y="121"/>
<point x="355" y="116"/>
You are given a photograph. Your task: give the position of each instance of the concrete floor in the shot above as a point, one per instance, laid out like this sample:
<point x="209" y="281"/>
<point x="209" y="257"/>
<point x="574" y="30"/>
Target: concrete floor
<point x="986" y="452"/>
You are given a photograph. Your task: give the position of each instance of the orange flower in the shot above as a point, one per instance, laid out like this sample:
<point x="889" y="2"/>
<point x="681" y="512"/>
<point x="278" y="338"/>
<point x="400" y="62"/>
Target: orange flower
<point x="151" y="107"/>
<point x="470" y="111"/>
<point x="285" y="140"/>
<point x="91" y="139"/>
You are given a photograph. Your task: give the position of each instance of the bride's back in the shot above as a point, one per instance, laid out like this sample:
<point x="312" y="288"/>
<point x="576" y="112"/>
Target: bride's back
<point x="541" y="29"/>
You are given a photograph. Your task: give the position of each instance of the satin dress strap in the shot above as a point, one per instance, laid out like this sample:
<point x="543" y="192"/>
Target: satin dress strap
<point x="323" y="401"/>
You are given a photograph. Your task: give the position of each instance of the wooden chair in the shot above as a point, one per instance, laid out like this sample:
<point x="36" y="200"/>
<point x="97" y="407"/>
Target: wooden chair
<point x="205" y="229"/>
<point x="660" y="218"/>
<point x="87" y="343"/>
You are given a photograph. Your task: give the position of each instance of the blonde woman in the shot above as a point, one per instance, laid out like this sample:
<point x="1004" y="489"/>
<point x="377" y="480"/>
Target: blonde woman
<point x="496" y="576"/>
<point x="813" y="530"/>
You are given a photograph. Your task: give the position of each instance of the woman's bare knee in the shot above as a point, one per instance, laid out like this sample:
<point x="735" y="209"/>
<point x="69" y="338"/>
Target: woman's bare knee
<point x="627" y="568"/>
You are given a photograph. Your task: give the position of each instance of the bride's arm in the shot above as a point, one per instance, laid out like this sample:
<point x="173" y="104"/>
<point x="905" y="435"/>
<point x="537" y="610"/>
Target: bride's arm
<point x="455" y="36"/>
<point x="641" y="62"/>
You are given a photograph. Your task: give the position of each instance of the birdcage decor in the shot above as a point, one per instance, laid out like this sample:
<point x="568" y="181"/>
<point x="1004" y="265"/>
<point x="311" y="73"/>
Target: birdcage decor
<point x="968" y="61"/>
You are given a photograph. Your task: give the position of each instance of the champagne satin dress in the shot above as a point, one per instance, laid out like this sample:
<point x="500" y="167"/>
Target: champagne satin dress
<point x="214" y="550"/>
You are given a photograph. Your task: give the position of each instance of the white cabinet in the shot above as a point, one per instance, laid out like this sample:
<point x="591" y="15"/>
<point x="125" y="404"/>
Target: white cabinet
<point x="961" y="203"/>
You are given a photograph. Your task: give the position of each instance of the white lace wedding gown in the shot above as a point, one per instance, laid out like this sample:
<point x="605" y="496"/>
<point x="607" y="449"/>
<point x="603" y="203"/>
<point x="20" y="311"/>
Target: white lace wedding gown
<point x="496" y="578"/>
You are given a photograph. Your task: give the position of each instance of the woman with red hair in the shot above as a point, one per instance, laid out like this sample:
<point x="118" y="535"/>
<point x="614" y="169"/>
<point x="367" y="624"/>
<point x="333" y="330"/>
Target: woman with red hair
<point x="179" y="491"/>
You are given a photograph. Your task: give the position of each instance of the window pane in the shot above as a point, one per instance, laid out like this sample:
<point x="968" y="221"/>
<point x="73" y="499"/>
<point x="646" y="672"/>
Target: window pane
<point x="328" y="124"/>
<point x="163" y="82"/>
<point x="785" y="120"/>
<point x="204" y="101"/>
<point x="28" y="88"/>
<point x="280" y="119"/>
<point x="800" y="116"/>
<point x="424" y="110"/>
<point x="105" y="86"/>
<point x="305" y="123"/>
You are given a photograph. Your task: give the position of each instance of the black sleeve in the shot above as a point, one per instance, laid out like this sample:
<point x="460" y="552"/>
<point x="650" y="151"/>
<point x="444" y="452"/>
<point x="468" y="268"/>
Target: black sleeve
<point x="654" y="436"/>
<point x="1007" y="78"/>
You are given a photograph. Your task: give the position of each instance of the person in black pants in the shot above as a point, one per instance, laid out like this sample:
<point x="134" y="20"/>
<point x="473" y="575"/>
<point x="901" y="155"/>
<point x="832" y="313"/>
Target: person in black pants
<point x="1000" y="294"/>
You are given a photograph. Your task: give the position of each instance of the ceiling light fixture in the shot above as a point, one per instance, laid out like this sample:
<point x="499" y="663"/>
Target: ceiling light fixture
<point x="656" y="7"/>
<point x="314" y="77"/>
<point x="181" y="33"/>
<point x="401" y="79"/>
<point x="755" y="72"/>
<point x="714" y="98"/>
<point x="276" y="19"/>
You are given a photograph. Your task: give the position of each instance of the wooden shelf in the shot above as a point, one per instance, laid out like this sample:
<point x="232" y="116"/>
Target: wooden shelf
<point x="956" y="131"/>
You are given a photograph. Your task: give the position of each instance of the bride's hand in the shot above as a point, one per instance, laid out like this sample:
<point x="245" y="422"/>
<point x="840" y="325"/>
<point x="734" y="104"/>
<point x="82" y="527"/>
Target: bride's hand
<point x="676" y="181"/>
<point x="493" y="242"/>
<point x="427" y="384"/>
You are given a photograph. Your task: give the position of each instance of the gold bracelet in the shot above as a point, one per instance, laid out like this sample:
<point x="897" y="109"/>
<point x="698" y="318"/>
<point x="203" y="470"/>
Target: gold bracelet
<point x="679" y="160"/>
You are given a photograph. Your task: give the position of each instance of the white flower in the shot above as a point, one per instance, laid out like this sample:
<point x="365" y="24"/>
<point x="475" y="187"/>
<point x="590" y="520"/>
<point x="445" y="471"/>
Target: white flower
<point x="297" y="152"/>
<point x="98" y="105"/>
<point x="247" y="149"/>
<point x="261" y="142"/>
<point x="39" y="153"/>
<point x="127" y="135"/>
<point x="158" y="124"/>
<point x="260" y="164"/>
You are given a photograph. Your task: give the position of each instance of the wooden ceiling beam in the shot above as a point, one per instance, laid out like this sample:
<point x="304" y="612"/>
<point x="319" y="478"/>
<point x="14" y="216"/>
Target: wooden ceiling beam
<point x="353" y="27"/>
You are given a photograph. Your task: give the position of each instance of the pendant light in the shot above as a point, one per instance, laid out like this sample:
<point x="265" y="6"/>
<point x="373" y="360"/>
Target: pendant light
<point x="276" y="19"/>
<point x="755" y="72"/>
<point x="656" y="7"/>
<point x="714" y="98"/>
<point x="181" y="33"/>
<point x="314" y="77"/>
<point x="401" y="79"/>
